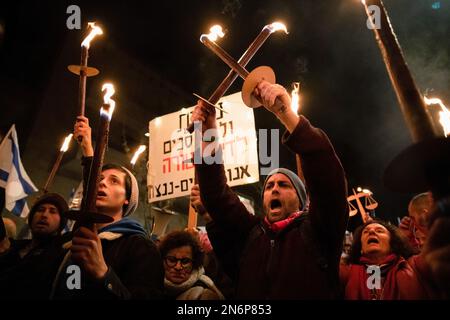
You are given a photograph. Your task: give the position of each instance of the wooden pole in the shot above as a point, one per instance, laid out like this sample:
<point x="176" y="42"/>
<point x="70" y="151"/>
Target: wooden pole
<point x="409" y="98"/>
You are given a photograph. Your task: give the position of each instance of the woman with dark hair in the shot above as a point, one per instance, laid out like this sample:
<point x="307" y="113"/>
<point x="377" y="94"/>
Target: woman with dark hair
<point x="382" y="266"/>
<point x="185" y="277"/>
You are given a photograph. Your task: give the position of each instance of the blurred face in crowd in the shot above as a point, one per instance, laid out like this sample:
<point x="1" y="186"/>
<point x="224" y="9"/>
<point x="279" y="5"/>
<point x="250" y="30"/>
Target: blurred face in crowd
<point x="420" y="208"/>
<point x="178" y="264"/>
<point x="375" y="241"/>
<point x="111" y="196"/>
<point x="280" y="198"/>
<point x="421" y="238"/>
<point x="46" y="220"/>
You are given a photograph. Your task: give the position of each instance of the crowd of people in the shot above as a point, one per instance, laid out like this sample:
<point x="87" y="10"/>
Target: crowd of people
<point x="291" y="250"/>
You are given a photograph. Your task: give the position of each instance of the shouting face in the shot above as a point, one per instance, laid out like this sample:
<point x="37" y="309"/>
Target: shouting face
<point x="280" y="198"/>
<point x="375" y="241"/>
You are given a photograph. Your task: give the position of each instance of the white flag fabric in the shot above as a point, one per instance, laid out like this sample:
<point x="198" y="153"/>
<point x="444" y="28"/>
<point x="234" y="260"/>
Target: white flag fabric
<point x="74" y="205"/>
<point x="13" y="178"/>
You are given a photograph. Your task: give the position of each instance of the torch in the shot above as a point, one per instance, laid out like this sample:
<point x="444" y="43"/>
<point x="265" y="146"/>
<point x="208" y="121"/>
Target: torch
<point x="89" y="214"/>
<point x="295" y="106"/>
<point x="422" y="166"/>
<point x="251" y="80"/>
<point x="408" y="96"/>
<point x="83" y="70"/>
<point x="444" y="114"/>
<point x="64" y="148"/>
<point x="216" y="32"/>
<point x="136" y="155"/>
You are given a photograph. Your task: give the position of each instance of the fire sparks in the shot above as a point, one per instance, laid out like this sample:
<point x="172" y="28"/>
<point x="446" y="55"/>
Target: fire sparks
<point x="295" y="96"/>
<point x="95" y="31"/>
<point x="136" y="155"/>
<point x="444" y="115"/>
<point x="215" y="33"/>
<point x="107" y="99"/>
<point x="276" y="26"/>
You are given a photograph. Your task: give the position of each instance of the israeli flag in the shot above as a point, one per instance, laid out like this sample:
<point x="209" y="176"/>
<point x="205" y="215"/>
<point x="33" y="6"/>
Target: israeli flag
<point x="13" y="177"/>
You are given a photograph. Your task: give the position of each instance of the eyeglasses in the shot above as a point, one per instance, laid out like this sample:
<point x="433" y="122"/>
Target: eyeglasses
<point x="171" y="261"/>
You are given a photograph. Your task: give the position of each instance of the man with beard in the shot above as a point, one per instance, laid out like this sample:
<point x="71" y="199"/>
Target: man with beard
<point x="27" y="267"/>
<point x="293" y="250"/>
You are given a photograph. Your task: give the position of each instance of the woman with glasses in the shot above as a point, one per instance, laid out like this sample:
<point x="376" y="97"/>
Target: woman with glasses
<point x="185" y="277"/>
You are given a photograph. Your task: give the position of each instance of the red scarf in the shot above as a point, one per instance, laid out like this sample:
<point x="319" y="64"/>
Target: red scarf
<point x="357" y="289"/>
<point x="282" y="224"/>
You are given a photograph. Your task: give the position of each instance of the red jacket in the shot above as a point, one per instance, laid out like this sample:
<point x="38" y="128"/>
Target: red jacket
<point x="405" y="280"/>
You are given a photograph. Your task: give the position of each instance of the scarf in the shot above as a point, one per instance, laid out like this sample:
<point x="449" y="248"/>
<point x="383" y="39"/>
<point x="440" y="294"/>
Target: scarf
<point x="357" y="288"/>
<point x="282" y="224"/>
<point x="125" y="226"/>
<point x="197" y="275"/>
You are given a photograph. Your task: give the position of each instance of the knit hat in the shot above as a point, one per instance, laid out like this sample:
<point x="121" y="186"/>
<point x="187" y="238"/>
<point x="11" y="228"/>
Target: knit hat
<point x="57" y="201"/>
<point x="296" y="182"/>
<point x="134" y="196"/>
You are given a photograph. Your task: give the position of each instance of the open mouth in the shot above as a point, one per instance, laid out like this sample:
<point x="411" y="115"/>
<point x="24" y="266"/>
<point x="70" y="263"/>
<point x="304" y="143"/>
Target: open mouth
<point x="101" y="194"/>
<point x="275" y="204"/>
<point x="42" y="224"/>
<point x="373" y="240"/>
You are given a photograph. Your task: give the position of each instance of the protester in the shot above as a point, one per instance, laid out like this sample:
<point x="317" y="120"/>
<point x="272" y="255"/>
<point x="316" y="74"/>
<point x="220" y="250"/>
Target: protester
<point x="290" y="253"/>
<point x="415" y="225"/>
<point x="27" y="267"/>
<point x="383" y="267"/>
<point x="421" y="167"/>
<point x="117" y="260"/>
<point x="213" y="267"/>
<point x="185" y="277"/>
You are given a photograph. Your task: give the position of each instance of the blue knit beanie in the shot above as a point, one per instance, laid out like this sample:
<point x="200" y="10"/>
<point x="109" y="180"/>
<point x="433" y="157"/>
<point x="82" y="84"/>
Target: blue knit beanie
<point x="296" y="181"/>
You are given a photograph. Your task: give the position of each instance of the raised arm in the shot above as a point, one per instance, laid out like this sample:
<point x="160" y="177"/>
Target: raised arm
<point x="324" y="175"/>
<point x="219" y="200"/>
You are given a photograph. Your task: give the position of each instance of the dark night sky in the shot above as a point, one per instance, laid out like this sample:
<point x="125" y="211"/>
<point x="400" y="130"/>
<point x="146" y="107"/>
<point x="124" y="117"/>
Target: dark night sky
<point x="345" y="87"/>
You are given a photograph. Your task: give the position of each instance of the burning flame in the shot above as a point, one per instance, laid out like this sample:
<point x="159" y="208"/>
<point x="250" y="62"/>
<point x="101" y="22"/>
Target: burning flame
<point x="136" y="155"/>
<point x="276" y="26"/>
<point x="366" y="191"/>
<point x="107" y="99"/>
<point x="66" y="143"/>
<point x="295" y="96"/>
<point x="216" y="32"/>
<point x="444" y="115"/>
<point x="95" y="31"/>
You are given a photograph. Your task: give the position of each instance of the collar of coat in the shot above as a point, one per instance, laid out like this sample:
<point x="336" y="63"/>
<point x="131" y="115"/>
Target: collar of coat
<point x="281" y="225"/>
